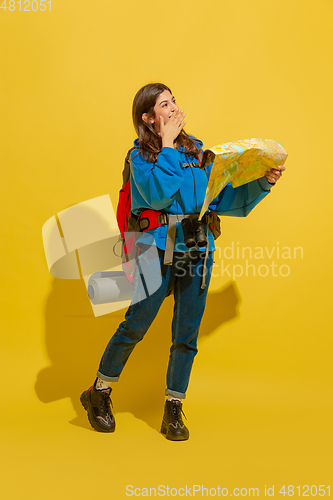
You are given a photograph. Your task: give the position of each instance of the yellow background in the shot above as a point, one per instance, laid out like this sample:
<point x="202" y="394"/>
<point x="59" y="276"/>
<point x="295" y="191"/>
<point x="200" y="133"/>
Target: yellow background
<point x="259" y="406"/>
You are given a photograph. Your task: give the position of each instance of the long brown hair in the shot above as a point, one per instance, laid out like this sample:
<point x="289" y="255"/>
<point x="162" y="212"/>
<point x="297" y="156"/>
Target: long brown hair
<point x="150" y="143"/>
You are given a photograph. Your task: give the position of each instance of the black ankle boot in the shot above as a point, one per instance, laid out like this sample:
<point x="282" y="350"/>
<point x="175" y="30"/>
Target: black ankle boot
<point x="173" y="427"/>
<point x="97" y="404"/>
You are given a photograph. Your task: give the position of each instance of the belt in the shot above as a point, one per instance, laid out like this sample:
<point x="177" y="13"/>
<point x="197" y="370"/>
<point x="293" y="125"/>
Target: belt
<point x="150" y="219"/>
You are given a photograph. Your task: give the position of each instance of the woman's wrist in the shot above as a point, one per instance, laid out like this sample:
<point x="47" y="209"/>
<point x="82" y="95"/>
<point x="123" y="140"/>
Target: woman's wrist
<point x="167" y="143"/>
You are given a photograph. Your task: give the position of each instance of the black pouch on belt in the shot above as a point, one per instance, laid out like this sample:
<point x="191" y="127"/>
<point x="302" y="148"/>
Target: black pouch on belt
<point x="214" y="222"/>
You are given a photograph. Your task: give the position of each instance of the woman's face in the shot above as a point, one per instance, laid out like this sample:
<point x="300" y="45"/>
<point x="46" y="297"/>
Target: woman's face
<point x="164" y="107"/>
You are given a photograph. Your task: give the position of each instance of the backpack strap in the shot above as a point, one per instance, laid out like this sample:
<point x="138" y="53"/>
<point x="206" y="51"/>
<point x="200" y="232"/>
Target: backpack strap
<point x="127" y="167"/>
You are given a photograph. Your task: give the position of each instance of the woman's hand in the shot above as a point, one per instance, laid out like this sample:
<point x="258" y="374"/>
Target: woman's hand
<point x="274" y="174"/>
<point x="171" y="130"/>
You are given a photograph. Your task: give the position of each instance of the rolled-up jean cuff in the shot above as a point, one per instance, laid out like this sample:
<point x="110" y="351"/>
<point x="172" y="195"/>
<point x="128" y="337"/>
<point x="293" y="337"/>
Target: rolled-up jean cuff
<point x="175" y="394"/>
<point x="106" y="378"/>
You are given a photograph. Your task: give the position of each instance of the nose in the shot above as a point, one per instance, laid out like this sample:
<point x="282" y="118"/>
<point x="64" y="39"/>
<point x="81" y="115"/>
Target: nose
<point x="174" y="108"/>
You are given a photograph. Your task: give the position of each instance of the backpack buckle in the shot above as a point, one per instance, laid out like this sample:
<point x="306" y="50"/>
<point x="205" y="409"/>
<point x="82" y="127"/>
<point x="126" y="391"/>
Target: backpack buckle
<point x="151" y="219"/>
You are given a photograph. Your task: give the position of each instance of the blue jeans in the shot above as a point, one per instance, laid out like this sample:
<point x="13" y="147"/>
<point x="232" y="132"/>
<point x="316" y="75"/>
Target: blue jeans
<point x="190" y="299"/>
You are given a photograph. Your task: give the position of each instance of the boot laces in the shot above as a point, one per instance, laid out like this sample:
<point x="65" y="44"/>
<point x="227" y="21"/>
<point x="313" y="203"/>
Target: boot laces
<point x="105" y="401"/>
<point x="176" y="413"/>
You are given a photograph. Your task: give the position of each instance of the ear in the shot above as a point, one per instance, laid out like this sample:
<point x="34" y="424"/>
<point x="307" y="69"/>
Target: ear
<point x="145" y="118"/>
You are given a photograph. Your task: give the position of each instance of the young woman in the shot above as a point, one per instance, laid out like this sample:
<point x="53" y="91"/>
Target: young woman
<point x="166" y="181"/>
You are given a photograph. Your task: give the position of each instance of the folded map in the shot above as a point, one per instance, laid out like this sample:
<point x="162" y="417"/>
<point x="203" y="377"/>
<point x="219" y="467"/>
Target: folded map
<point x="240" y="162"/>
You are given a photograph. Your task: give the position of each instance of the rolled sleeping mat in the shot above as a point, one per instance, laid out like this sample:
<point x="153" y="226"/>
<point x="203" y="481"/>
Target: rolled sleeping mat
<point x="109" y="287"/>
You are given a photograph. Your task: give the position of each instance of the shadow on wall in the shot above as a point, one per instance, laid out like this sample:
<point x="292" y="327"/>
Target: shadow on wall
<point x="75" y="341"/>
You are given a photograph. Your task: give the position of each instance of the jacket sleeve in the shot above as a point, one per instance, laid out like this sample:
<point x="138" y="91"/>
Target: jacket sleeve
<point x="158" y="183"/>
<point x="239" y="201"/>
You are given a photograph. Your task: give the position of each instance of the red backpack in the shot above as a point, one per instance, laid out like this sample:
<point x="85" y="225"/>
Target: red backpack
<point x="127" y="222"/>
<point x="130" y="225"/>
